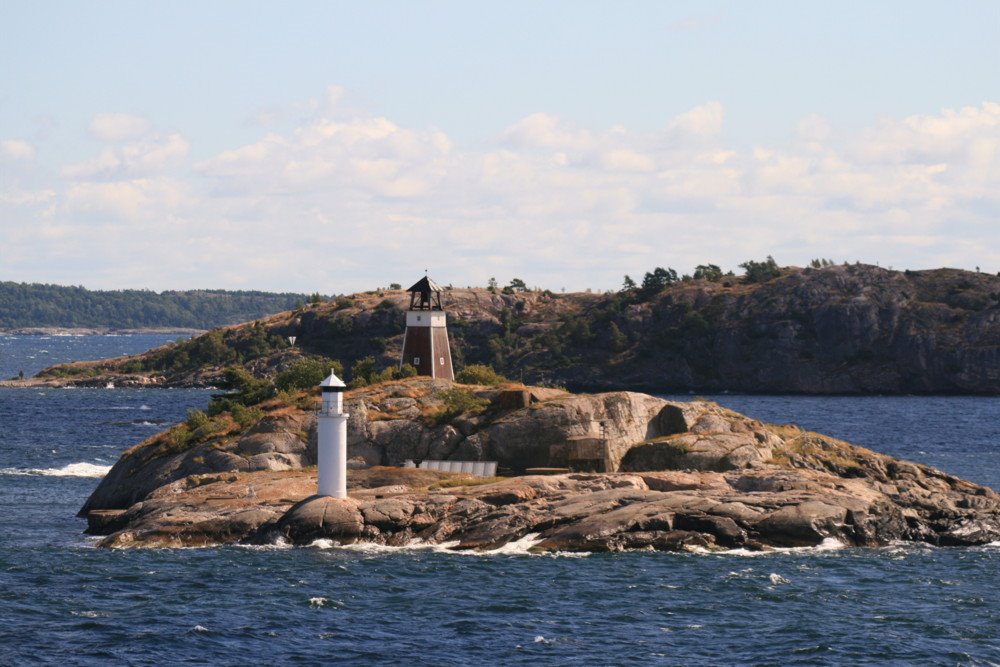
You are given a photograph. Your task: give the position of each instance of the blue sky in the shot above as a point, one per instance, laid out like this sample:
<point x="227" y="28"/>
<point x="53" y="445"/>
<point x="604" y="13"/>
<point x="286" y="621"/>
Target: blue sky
<point x="336" y="147"/>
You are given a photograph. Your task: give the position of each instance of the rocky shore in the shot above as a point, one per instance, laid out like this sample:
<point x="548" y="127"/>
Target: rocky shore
<point x="674" y="476"/>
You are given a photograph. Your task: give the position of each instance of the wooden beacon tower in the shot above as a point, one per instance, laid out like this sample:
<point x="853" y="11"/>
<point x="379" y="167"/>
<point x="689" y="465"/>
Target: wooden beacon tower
<point x="425" y="343"/>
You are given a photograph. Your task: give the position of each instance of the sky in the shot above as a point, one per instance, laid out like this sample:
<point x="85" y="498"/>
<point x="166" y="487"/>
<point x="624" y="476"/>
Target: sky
<point x="338" y="147"/>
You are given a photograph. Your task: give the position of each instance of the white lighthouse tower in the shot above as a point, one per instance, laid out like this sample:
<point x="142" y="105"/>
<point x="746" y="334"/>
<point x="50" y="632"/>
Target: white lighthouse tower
<point x="331" y="437"/>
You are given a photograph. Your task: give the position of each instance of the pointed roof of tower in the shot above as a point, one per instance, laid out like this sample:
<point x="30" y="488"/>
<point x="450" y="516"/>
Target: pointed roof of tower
<point x="332" y="381"/>
<point x="425" y="295"/>
<point x="425" y="285"/>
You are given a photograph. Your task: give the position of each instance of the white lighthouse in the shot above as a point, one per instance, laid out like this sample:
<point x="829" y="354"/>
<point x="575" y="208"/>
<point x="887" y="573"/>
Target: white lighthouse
<point x="331" y="436"/>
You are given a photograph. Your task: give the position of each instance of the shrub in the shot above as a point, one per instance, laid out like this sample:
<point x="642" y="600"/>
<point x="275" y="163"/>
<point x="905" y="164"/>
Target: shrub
<point x="196" y="419"/>
<point x="759" y="272"/>
<point x="306" y="374"/>
<point x="245" y="416"/>
<point x="458" y="402"/>
<point x="387" y="304"/>
<point x="709" y="272"/>
<point x="479" y="374"/>
<point x="362" y="372"/>
<point x="247" y="390"/>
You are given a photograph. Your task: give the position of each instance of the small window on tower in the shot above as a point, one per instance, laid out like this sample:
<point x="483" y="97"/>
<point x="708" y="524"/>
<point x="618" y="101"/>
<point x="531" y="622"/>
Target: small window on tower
<point x="416" y="361"/>
<point x="442" y="361"/>
<point x="418" y="318"/>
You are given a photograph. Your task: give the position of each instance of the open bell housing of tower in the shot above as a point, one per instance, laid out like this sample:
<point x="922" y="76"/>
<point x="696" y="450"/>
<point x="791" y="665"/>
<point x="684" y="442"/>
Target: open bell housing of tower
<point x="425" y="343"/>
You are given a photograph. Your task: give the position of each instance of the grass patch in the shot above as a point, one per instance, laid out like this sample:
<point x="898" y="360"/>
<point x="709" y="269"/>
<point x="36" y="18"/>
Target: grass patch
<point x="456" y="402"/>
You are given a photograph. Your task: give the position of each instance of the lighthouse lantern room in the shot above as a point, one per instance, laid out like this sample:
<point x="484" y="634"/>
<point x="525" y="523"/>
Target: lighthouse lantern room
<point x="425" y="343"/>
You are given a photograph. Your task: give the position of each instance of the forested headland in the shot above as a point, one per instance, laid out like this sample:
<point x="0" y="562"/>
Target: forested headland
<point x="821" y="329"/>
<point x="24" y="305"/>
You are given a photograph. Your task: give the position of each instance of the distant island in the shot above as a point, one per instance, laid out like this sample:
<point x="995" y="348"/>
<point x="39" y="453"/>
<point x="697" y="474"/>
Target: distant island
<point x="824" y="329"/>
<point x="37" y="306"/>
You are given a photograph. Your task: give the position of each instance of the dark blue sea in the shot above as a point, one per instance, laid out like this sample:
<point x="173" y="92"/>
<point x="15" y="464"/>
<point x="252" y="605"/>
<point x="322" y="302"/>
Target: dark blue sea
<point x="64" y="602"/>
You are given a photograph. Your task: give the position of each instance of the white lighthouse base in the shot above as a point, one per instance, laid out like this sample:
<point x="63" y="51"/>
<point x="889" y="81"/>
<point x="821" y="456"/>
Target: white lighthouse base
<point x="331" y="455"/>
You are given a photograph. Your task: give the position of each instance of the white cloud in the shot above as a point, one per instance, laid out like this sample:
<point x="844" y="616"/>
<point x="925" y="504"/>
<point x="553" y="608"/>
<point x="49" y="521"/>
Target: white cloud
<point x="546" y="131"/>
<point x="138" y="200"/>
<point x="115" y="127"/>
<point x="140" y="157"/>
<point x="341" y="203"/>
<point x="17" y="148"/>
<point x="705" y="120"/>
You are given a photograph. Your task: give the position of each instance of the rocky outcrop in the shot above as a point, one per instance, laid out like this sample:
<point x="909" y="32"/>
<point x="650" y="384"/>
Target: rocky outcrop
<point x="274" y="443"/>
<point x="757" y="508"/>
<point x="681" y="476"/>
<point x="392" y="422"/>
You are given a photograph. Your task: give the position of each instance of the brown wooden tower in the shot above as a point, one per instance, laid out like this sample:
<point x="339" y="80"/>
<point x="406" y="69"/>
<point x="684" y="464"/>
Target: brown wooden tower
<point x="425" y="343"/>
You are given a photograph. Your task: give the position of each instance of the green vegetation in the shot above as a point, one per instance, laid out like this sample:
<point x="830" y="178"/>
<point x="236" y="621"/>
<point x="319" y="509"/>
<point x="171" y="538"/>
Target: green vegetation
<point x="306" y="374"/>
<point x="458" y="402"/>
<point x="245" y="390"/>
<point x="364" y="373"/>
<point x="656" y="280"/>
<point x="760" y="272"/>
<point x="709" y="272"/>
<point x="215" y="348"/>
<point x="479" y="374"/>
<point x="37" y="305"/>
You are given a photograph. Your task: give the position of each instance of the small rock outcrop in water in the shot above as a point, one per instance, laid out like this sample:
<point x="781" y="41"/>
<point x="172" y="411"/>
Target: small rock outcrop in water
<point x="680" y="476"/>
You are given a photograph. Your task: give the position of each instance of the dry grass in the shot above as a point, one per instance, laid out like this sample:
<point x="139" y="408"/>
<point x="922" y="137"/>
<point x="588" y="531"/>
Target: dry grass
<point x="813" y="449"/>
<point x="464" y="481"/>
<point x="784" y="431"/>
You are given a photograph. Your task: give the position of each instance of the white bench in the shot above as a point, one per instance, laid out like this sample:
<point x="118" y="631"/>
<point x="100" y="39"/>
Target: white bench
<point x="477" y="468"/>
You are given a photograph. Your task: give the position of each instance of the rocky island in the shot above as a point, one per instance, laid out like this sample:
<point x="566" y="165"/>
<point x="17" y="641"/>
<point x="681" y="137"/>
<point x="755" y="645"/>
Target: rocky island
<point x="624" y="471"/>
<point x="837" y="329"/>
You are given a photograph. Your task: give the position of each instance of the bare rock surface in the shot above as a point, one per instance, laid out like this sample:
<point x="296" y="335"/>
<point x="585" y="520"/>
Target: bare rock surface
<point x="684" y="476"/>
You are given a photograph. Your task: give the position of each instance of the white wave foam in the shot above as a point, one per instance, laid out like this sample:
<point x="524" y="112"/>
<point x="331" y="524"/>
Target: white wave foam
<point x="317" y="602"/>
<point x="828" y="544"/>
<point x="71" y="470"/>
<point x="519" y="547"/>
<point x="777" y="579"/>
<point x="279" y="544"/>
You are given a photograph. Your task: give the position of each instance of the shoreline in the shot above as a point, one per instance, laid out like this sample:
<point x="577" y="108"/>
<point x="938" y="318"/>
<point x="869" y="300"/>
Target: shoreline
<point x="97" y="331"/>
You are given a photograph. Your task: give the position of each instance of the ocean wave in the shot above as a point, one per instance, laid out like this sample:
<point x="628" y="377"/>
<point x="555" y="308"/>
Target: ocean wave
<point x="828" y="544"/>
<point x="519" y="547"/>
<point x="70" y="470"/>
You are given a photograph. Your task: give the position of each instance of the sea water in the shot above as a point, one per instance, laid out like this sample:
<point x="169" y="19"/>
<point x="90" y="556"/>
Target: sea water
<point x="64" y="602"/>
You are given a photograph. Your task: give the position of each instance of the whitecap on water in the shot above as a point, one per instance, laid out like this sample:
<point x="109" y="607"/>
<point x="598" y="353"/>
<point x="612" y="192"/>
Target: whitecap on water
<point x="199" y="628"/>
<point x="317" y="602"/>
<point x="279" y="544"/>
<point x="828" y="544"/>
<point x="777" y="579"/>
<point x="70" y="470"/>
